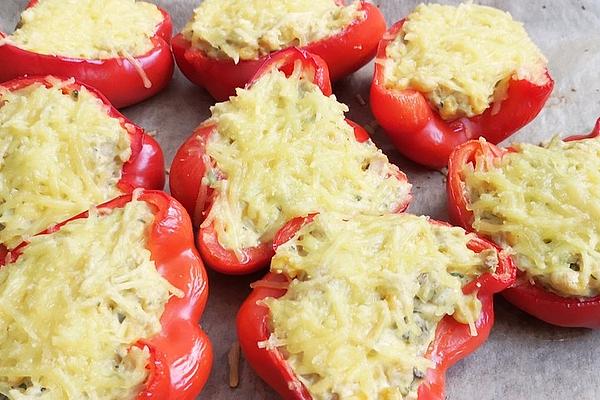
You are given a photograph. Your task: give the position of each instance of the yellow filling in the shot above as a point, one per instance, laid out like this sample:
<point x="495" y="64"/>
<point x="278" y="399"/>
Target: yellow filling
<point x="286" y="150"/>
<point x="462" y="57"/>
<point x="544" y="204"/>
<point x="365" y="301"/>
<point x="73" y="305"/>
<point x="248" y="29"/>
<point x="61" y="153"/>
<point x="91" y="29"/>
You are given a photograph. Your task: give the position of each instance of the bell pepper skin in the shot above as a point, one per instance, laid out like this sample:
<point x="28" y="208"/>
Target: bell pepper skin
<point x="181" y="354"/>
<point x="452" y="341"/>
<point x="191" y="163"/>
<point x="116" y="78"/>
<point x="529" y="297"/>
<point x="344" y="53"/>
<point x="420" y="134"/>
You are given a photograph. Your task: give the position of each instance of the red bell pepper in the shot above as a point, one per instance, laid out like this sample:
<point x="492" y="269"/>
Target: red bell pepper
<point x="452" y="341"/>
<point x="526" y="295"/>
<point x="420" y="134"/>
<point x="117" y="78"/>
<point x="344" y="52"/>
<point x="181" y="354"/>
<point x="145" y="167"/>
<point x="191" y="163"/>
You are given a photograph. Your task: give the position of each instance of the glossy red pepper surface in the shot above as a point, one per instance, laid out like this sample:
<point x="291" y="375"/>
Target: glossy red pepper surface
<point x="191" y="164"/>
<point x="116" y="78"/>
<point x="420" y="134"/>
<point x="181" y="354"/>
<point x="528" y="296"/>
<point x="344" y="53"/>
<point x="452" y="341"/>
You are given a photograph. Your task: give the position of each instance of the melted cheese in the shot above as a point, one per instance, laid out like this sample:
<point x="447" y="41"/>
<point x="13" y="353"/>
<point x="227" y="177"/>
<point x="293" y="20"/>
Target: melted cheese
<point x="73" y="305"/>
<point x="286" y="150"/>
<point x="248" y="29"/>
<point x="91" y="29"/>
<point x="366" y="296"/>
<point x="544" y="204"/>
<point x="461" y="57"/>
<point x="61" y="153"/>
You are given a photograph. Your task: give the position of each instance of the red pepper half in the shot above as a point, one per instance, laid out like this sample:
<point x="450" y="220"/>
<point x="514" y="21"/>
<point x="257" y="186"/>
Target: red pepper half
<point x="145" y="167"/>
<point x="452" y="341"/>
<point x="191" y="164"/>
<point x="531" y="298"/>
<point x="117" y="78"/>
<point x="344" y="53"/>
<point x="181" y="354"/>
<point x="418" y="131"/>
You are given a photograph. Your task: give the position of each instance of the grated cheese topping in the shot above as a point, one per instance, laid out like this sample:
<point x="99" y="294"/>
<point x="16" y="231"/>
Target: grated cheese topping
<point x="73" y="305"/>
<point x="90" y="29"/>
<point x="542" y="202"/>
<point x="366" y="297"/>
<point x="461" y="57"/>
<point x="60" y="153"/>
<point x="249" y="29"/>
<point x="285" y="150"/>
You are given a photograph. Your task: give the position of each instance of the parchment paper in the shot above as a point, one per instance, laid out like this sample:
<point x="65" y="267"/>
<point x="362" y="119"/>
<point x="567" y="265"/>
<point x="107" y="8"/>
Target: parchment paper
<point x="524" y="358"/>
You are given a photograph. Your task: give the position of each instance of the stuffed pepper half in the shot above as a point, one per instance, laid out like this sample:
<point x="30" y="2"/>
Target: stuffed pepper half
<point x="447" y="74"/>
<point x="106" y="306"/>
<point x="540" y="203"/>
<point x="370" y="307"/>
<point x="279" y="149"/>
<point x="120" y="47"/>
<point x="227" y="41"/>
<point x="64" y="149"/>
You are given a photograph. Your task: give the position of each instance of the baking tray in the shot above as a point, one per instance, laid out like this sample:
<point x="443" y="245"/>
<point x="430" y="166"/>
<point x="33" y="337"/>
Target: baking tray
<point x="523" y="358"/>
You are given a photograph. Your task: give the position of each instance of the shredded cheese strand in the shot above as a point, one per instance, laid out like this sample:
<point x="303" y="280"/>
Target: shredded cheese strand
<point x="138" y="68"/>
